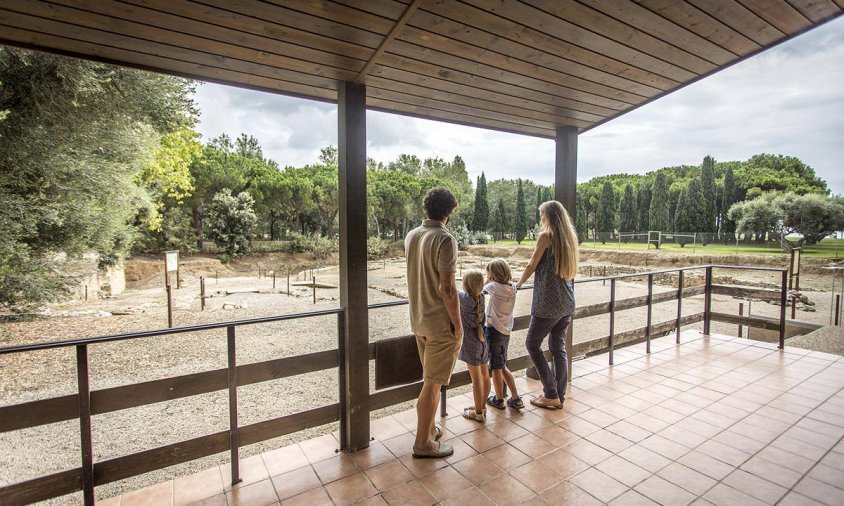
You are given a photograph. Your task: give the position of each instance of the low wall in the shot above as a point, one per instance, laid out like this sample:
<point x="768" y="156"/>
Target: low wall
<point x="99" y="283"/>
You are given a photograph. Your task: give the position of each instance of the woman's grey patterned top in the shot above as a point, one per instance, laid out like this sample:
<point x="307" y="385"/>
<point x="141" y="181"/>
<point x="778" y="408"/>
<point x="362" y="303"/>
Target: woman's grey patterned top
<point x="553" y="296"/>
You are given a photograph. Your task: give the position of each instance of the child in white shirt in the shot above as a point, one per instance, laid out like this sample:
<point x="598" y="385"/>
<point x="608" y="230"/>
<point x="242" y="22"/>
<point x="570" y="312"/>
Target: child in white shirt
<point x="499" y="324"/>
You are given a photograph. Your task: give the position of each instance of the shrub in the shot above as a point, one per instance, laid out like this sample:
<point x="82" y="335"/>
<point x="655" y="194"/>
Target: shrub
<point x="319" y="246"/>
<point x="376" y="247"/>
<point x="231" y="221"/>
<point x="466" y="238"/>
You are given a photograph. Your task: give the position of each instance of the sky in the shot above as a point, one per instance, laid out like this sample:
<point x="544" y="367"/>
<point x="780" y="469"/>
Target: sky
<point x="788" y="100"/>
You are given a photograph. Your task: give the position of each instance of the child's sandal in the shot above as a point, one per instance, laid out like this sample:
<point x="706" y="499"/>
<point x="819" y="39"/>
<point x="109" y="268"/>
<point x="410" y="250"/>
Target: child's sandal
<point x="516" y="403"/>
<point x="469" y="413"/>
<point x="495" y="402"/>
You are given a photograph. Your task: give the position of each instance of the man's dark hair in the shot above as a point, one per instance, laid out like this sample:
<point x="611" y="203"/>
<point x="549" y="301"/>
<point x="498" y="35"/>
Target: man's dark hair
<point x="439" y="202"/>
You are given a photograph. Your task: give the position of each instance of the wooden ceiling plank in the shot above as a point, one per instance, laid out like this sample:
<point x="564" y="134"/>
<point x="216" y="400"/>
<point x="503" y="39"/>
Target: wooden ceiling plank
<point x="528" y="16"/>
<point x="693" y="19"/>
<point x="654" y="24"/>
<point x="490" y="105"/>
<point x="818" y="11"/>
<point x="779" y="14"/>
<point x="465" y="25"/>
<point x="741" y="19"/>
<point x="175" y="30"/>
<point x="71" y="31"/>
<point x="340" y="13"/>
<point x="15" y="35"/>
<point x="448" y="117"/>
<point x="612" y="29"/>
<point x="408" y="12"/>
<point x="463" y="110"/>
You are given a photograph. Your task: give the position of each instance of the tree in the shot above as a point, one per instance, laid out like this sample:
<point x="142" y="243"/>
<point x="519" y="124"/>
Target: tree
<point x="643" y="205"/>
<point x="391" y="191"/>
<point x="231" y="221"/>
<point x="760" y="217"/>
<point x="249" y="147"/>
<point x="521" y="215"/>
<point x="709" y="221"/>
<point x="730" y="197"/>
<point x="627" y="211"/>
<point x="580" y="219"/>
<point x="689" y="214"/>
<point x="658" y="214"/>
<point x="409" y="164"/>
<point x="539" y="201"/>
<point x="500" y="219"/>
<point x="812" y="216"/>
<point x="605" y="216"/>
<point x="480" y="217"/>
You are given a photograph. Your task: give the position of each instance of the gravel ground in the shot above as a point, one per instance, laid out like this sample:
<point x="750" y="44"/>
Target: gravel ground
<point x="826" y="339"/>
<point x="36" y="375"/>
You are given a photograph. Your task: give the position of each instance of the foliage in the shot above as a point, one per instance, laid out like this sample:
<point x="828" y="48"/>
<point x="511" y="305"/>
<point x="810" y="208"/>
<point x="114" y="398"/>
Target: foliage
<point x="658" y="215"/>
<point x="480" y="216"/>
<point x="377" y="247"/>
<point x="232" y="221"/>
<point x="580" y="218"/>
<point x="605" y="215"/>
<point x="521" y="214"/>
<point x="643" y="205"/>
<point x="730" y="197"/>
<point x="708" y="223"/>
<point x="466" y="237"/>
<point x="813" y="216"/>
<point x="499" y="219"/>
<point x="317" y="245"/>
<point x="690" y="211"/>
<point x="627" y="211"/>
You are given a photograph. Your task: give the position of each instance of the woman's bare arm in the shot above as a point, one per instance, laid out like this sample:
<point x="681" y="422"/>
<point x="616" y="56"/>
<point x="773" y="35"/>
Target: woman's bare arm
<point x="542" y="244"/>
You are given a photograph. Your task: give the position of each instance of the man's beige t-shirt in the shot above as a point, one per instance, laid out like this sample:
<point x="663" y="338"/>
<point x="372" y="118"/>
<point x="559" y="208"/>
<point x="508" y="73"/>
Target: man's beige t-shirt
<point x="430" y="250"/>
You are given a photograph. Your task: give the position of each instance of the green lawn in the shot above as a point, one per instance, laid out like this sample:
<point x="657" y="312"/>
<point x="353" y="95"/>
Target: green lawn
<point x="826" y="249"/>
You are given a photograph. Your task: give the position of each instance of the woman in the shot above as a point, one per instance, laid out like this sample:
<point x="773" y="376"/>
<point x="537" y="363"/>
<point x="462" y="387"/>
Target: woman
<point x="555" y="262"/>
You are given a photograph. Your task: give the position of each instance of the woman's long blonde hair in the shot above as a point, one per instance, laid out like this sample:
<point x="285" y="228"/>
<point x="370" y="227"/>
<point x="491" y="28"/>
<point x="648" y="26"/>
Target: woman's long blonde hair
<point x="473" y="284"/>
<point x="564" y="245"/>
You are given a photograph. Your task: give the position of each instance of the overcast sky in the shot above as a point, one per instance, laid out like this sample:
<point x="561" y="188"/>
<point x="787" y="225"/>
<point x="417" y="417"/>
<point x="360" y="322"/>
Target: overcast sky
<point x="788" y="100"/>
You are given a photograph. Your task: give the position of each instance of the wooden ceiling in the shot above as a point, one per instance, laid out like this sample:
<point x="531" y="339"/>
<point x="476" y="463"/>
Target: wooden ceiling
<point x="517" y="66"/>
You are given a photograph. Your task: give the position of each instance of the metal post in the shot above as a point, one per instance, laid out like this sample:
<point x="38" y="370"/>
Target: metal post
<point x="170" y="306"/>
<point x="86" y="293"/>
<point x="443" y="401"/>
<point x="793" y="306"/>
<point x="178" y="278"/>
<point x="650" y="313"/>
<point x="274" y="279"/>
<point x="707" y="303"/>
<point x="288" y="282"/>
<point x="86" y="440"/>
<point x="612" y="318"/>
<point x="837" y="308"/>
<point x="740" y="313"/>
<point x="233" y="443"/>
<point x="202" y="293"/>
<point x="604" y="274"/>
<point x="783" y="290"/>
<point x="313" y="286"/>
<point x="216" y="278"/>
<point x="680" y="304"/>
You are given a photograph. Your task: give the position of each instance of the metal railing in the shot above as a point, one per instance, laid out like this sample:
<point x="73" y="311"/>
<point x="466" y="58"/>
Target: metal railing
<point x="86" y="403"/>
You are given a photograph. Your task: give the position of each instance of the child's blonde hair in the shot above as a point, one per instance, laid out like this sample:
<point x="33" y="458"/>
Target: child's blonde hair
<point x="473" y="284"/>
<point x="499" y="270"/>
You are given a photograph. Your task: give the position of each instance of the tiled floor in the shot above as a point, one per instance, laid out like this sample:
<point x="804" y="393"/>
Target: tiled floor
<point x="716" y="420"/>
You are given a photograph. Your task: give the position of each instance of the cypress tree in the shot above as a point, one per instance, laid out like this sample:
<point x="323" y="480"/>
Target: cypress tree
<point x="659" y="211"/>
<point x="627" y="211"/>
<point x="521" y="214"/>
<point x="690" y="205"/>
<point x="581" y="218"/>
<point x="546" y="194"/>
<point x="539" y="202"/>
<point x="727" y="201"/>
<point x="606" y="212"/>
<point x="710" y="206"/>
<point x="480" y="220"/>
<point x="643" y="205"/>
<point x="500" y="219"/>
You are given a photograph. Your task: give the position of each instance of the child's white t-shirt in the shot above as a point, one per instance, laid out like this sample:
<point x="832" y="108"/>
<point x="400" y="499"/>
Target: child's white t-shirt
<point x="499" y="309"/>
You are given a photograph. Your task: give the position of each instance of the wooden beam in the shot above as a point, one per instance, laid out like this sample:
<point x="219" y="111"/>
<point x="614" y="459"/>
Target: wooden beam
<point x="351" y="113"/>
<point x="408" y="12"/>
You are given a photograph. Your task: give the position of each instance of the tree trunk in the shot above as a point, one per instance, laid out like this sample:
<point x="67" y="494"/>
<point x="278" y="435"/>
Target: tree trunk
<point x="196" y="221"/>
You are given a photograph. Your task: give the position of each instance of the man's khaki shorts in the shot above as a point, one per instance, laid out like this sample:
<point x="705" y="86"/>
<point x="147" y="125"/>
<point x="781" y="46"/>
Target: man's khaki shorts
<point x="438" y="355"/>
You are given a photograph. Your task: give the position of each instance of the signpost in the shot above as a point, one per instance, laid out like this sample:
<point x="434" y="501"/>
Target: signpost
<point x="171" y="264"/>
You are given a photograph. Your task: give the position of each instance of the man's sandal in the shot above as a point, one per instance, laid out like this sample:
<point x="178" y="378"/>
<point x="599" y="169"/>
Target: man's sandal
<point x="439" y="450"/>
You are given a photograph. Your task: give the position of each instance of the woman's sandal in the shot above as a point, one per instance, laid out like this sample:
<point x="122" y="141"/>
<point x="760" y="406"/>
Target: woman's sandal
<point x="471" y="414"/>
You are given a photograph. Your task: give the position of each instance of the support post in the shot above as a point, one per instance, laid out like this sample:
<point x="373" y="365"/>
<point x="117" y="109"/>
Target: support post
<point x="680" y="277"/>
<point x="274" y="278"/>
<point x="288" y="281"/>
<point x="86" y="441"/>
<point x="170" y="306"/>
<point x="341" y="355"/>
<point x="351" y="112"/>
<point x="612" y="318"/>
<point x="313" y="286"/>
<point x="783" y="291"/>
<point x="233" y="440"/>
<point x="202" y="293"/>
<point x="650" y="313"/>
<point x="707" y="303"/>
<point x="565" y="190"/>
<point x="444" y="401"/>
<point x="837" y="307"/>
<point x="740" y="313"/>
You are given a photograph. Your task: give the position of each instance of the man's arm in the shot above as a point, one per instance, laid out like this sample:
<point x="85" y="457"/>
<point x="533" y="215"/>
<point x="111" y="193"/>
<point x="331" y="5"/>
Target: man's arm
<point x="448" y="293"/>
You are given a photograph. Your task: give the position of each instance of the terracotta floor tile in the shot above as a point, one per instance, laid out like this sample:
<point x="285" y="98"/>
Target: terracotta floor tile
<point x="261" y="493"/>
<point x="445" y="483"/>
<point x="557" y="436"/>
<point x="609" y="441"/>
<point x="350" y="489"/>
<point x="197" y="486"/>
<point x="663" y="414"/>
<point x="295" y="482"/>
<point x="507" y="430"/>
<point x="532" y="445"/>
<point x="111" y="501"/>
<point x="411" y="494"/>
<point x="828" y="475"/>
<point x="798" y="447"/>
<point x="755" y="486"/>
<point x="622" y="470"/>
<point x="664" y="492"/>
<point x="628" y="431"/>
<point x="687" y="478"/>
<point x="252" y="470"/>
<point x="401" y="445"/>
<point x="335" y="468"/>
<point x="535" y="476"/>
<point x="723" y="495"/>
<point x="154" y="494"/>
<point x="214" y="500"/>
<point x="506" y="490"/>
<point x="644" y="458"/>
<point x="461" y="451"/>
<point x="388" y="475"/>
<point x="469" y="497"/>
<point x="421" y="467"/>
<point x="372" y="456"/>
<point x="598" y="417"/>
<point x="563" y="463"/>
<point x="647" y="422"/>
<point x="795" y="499"/>
<point x="724" y="453"/>
<point x="599" y="485"/>
<point x="820" y="491"/>
<point x="506" y="457"/>
<point x="530" y="421"/>
<point x="320" y="448"/>
<point x="632" y="498"/>
<point x="386" y="428"/>
<point x="665" y="447"/>
<point x="569" y="494"/>
<point x="314" y="497"/>
<point x="478" y="469"/>
<point x="284" y="460"/>
<point x="578" y="426"/>
<point x="482" y="440"/>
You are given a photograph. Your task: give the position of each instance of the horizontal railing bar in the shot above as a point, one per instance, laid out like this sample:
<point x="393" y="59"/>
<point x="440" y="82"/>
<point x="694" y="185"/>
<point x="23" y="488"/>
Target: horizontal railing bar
<point x="750" y="321"/>
<point x="163" y="332"/>
<point x="745" y="292"/>
<point x="749" y="268"/>
<point x="42" y="488"/>
<point x="57" y="409"/>
<point x="637" y="274"/>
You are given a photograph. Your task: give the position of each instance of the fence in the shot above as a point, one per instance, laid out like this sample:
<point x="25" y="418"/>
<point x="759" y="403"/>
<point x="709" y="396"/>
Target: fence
<point x="86" y="403"/>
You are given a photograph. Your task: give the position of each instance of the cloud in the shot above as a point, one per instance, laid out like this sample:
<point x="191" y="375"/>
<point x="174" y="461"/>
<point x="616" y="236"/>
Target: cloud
<point x="788" y="100"/>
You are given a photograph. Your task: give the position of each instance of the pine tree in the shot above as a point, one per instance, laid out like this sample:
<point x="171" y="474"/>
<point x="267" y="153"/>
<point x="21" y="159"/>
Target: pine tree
<point x="500" y="219"/>
<point x="581" y="218"/>
<point x="606" y="212"/>
<point x="710" y="205"/>
<point x="727" y="201"/>
<point x="658" y="214"/>
<point x="521" y="214"/>
<point x="643" y="205"/>
<point x="480" y="220"/>
<point x="627" y="211"/>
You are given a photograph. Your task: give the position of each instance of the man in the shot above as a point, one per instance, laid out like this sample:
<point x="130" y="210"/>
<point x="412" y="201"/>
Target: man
<point x="431" y="253"/>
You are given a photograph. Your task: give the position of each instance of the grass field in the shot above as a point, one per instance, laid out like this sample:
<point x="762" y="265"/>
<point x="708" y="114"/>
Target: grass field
<point x="828" y="248"/>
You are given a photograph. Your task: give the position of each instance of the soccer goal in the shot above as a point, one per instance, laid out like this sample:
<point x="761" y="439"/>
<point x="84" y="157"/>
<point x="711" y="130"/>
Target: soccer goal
<point x="625" y="237"/>
<point x="684" y="239"/>
<point x="655" y="238"/>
